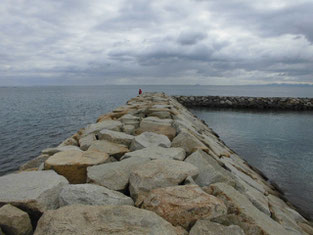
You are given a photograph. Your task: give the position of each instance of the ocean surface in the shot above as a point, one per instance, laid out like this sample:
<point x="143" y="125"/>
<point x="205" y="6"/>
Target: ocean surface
<point x="278" y="143"/>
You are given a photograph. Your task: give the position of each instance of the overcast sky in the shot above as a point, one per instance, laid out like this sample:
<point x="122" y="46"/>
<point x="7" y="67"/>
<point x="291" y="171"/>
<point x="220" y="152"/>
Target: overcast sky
<point x="78" y="42"/>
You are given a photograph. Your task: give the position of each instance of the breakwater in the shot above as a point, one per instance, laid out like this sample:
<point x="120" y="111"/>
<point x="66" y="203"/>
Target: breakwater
<point x="244" y="102"/>
<point x="148" y="167"/>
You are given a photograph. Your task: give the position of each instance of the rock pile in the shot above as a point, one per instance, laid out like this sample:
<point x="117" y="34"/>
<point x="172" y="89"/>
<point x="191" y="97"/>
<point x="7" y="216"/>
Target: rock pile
<point x="149" y="167"/>
<point x="244" y="102"/>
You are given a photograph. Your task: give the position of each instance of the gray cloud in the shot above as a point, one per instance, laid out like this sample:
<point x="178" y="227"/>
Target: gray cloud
<point x="206" y="42"/>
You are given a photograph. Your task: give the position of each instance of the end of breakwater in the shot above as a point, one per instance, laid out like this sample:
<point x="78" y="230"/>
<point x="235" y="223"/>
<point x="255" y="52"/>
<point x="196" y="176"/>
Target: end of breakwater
<point x="244" y="102"/>
<point x="150" y="155"/>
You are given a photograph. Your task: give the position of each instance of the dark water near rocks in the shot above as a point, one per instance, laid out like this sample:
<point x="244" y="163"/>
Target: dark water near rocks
<point x="278" y="143"/>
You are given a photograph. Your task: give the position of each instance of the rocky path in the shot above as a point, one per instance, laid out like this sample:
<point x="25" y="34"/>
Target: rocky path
<point x="148" y="167"/>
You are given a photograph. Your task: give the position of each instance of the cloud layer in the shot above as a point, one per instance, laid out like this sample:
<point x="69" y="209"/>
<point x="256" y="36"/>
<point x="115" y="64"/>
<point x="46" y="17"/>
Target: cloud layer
<point x="77" y="42"/>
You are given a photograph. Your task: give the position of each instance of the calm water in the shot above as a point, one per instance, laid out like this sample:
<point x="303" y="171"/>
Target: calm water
<point x="279" y="144"/>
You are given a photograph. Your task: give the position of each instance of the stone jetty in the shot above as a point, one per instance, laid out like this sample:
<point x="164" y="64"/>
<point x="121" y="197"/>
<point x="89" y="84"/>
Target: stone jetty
<point x="245" y="102"/>
<point x="148" y="167"/>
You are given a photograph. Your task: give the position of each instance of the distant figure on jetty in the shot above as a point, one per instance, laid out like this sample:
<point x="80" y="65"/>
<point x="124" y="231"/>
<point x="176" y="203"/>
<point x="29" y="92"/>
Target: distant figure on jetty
<point x="140" y="91"/>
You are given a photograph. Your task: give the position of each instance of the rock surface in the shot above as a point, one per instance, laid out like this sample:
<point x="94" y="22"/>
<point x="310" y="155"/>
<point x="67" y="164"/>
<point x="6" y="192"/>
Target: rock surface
<point x="34" y="192"/>
<point x="183" y="205"/>
<point x="116" y="137"/>
<point x="15" y="221"/>
<point x="73" y="164"/>
<point x="248" y="217"/>
<point x="89" y="194"/>
<point x="149" y="139"/>
<point x="115" y="175"/>
<point x="113" y="149"/>
<point x="188" y="142"/>
<point x="86" y="141"/>
<point x="51" y="151"/>
<point x="83" y="219"/>
<point x="209" y="170"/>
<point x="34" y="163"/>
<point x="158" y="174"/>
<point x="157" y="152"/>
<point x="206" y="227"/>
<point x="105" y="124"/>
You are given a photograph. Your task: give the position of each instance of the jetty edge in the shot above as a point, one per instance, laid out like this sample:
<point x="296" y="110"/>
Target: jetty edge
<point x="148" y="167"/>
<point x="246" y="102"/>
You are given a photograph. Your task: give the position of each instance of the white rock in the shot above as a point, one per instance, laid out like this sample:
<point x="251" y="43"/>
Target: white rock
<point x="116" y="137"/>
<point x="149" y="139"/>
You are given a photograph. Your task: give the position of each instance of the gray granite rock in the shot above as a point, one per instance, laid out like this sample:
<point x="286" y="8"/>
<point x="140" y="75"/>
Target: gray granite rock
<point x="113" y="149"/>
<point x="90" y="194"/>
<point x="84" y="219"/>
<point x="115" y="175"/>
<point x="51" y="151"/>
<point x="243" y="213"/>
<point x="116" y="137"/>
<point x="149" y="139"/>
<point x="209" y="170"/>
<point x="34" y="163"/>
<point x="206" y="227"/>
<point x="158" y="174"/>
<point x="35" y="191"/>
<point x="188" y="142"/>
<point x="105" y="124"/>
<point x="156" y="152"/>
<point x="15" y="221"/>
<point x="86" y="141"/>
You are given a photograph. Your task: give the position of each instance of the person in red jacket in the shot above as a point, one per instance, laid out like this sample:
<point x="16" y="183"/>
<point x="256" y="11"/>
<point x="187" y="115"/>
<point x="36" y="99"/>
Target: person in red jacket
<point x="140" y="91"/>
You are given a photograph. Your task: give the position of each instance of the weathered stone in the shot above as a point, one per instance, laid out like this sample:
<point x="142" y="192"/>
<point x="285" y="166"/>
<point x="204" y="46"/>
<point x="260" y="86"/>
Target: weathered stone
<point x="156" y="174"/>
<point x="114" y="175"/>
<point x="149" y="139"/>
<point x="157" y="152"/>
<point x="84" y="219"/>
<point x="116" y="137"/>
<point x="183" y="205"/>
<point x="209" y="170"/>
<point x="243" y="213"/>
<point x="168" y="131"/>
<point x="86" y="141"/>
<point x="90" y="194"/>
<point x="34" y="192"/>
<point x="284" y="215"/>
<point x="161" y="114"/>
<point x="34" y="163"/>
<point x="51" y="151"/>
<point x="129" y="119"/>
<point x="73" y="164"/>
<point x="155" y="122"/>
<point x="15" y="221"/>
<point x="206" y="227"/>
<point x="113" y="149"/>
<point x="129" y="129"/>
<point x="188" y="142"/>
<point x="180" y="230"/>
<point x="69" y="141"/>
<point x="105" y="124"/>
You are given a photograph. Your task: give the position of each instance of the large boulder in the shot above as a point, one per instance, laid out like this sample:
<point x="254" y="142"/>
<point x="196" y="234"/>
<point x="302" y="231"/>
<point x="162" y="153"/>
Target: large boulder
<point x="209" y="169"/>
<point x="15" y="221"/>
<point x="188" y="142"/>
<point x="113" y="149"/>
<point x="51" y="151"/>
<point x="86" y="141"/>
<point x="34" y="163"/>
<point x="183" y="205"/>
<point x="157" y="152"/>
<point x="116" y="137"/>
<point x="73" y="164"/>
<point x="83" y="219"/>
<point x="149" y="139"/>
<point x="129" y="119"/>
<point x="158" y="174"/>
<point x="105" y="124"/>
<point x="90" y="194"/>
<point x="34" y="192"/>
<point x="156" y="125"/>
<point x="206" y="227"/>
<point x="115" y="175"/>
<point x="243" y="213"/>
